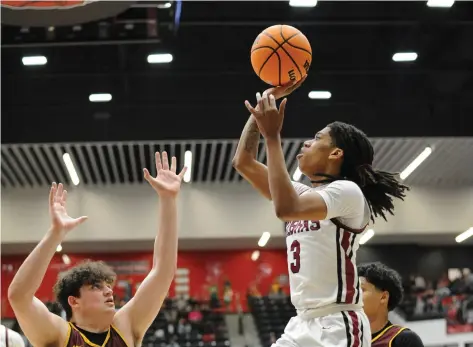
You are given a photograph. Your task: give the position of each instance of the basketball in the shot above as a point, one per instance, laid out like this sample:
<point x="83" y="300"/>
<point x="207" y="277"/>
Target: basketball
<point x="281" y="54"/>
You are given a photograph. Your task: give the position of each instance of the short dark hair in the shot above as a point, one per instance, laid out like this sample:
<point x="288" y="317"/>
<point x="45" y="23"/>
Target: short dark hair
<point x="378" y="187"/>
<point x="70" y="282"/>
<point x="385" y="279"/>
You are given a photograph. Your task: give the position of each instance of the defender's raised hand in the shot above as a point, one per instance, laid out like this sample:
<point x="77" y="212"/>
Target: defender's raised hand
<point x="166" y="183"/>
<point x="60" y="220"/>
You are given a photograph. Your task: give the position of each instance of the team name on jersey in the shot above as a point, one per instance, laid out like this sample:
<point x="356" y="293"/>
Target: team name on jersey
<point x="301" y="226"/>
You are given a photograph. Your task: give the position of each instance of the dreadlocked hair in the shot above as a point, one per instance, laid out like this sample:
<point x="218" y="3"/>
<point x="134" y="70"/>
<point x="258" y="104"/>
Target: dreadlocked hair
<point x="378" y="187"/>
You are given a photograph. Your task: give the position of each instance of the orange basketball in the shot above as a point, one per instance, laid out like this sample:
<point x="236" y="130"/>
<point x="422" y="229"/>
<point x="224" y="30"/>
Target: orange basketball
<point x="281" y="54"/>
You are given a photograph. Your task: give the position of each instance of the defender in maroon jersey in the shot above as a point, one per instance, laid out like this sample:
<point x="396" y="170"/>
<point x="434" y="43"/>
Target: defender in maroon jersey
<point x="382" y="292"/>
<point x="85" y="291"/>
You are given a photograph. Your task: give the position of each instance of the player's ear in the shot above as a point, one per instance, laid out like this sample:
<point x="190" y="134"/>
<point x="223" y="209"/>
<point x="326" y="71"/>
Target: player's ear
<point x="73" y="301"/>
<point x="385" y="298"/>
<point x="336" y="153"/>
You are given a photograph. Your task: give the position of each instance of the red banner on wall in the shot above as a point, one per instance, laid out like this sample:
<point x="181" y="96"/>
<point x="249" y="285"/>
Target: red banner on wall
<point x="43" y="5"/>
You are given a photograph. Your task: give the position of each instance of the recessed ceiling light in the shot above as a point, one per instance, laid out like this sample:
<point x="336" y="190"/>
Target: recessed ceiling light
<point x="160" y="58"/>
<point x="302" y="3"/>
<point x="404" y="56"/>
<point x="100" y="97"/>
<point x="440" y="3"/>
<point x="34" y="60"/>
<point x="320" y="94"/>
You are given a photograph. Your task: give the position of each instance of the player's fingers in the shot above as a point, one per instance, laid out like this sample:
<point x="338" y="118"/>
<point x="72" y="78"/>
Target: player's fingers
<point x="173" y="164"/>
<point x="60" y="189"/>
<point x="146" y="175"/>
<point x="183" y="172"/>
<point x="52" y="194"/>
<point x="266" y="104"/>
<point x="165" y="161"/>
<point x="159" y="164"/>
<point x="282" y="107"/>
<point x="250" y="108"/>
<point x="258" y="97"/>
<point x="64" y="198"/>
<point x="272" y="102"/>
<point x="298" y="84"/>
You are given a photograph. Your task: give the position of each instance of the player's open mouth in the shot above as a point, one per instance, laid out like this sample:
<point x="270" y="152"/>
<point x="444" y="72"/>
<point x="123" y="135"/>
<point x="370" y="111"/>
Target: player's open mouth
<point x="110" y="301"/>
<point x="300" y="155"/>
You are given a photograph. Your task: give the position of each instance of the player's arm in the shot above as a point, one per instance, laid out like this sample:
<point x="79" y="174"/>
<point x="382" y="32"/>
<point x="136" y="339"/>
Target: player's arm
<point x="407" y="338"/>
<point x="40" y="326"/>
<point x="339" y="199"/>
<point x="288" y="204"/>
<point x="245" y="161"/>
<point x="138" y="314"/>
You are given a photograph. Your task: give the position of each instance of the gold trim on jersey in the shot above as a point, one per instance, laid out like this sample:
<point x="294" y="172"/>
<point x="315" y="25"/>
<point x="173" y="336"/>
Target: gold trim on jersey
<point x="391" y="341"/>
<point x="120" y="334"/>
<point x="385" y="330"/>
<point x="68" y="336"/>
<point x="381" y="333"/>
<point x="87" y="341"/>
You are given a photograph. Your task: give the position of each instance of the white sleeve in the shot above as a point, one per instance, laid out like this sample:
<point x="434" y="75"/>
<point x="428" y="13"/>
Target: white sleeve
<point x="344" y="199"/>
<point x="299" y="187"/>
<point x="16" y="339"/>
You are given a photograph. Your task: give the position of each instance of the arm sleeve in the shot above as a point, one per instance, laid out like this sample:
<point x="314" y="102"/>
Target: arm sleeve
<point x="344" y="199"/>
<point x="407" y="338"/>
<point x="299" y="187"/>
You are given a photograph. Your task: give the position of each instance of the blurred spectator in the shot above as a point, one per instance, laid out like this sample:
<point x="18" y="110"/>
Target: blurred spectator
<point x="420" y="283"/>
<point x="173" y="342"/>
<point x="214" y="302"/>
<point x="272" y="337"/>
<point x="253" y="291"/>
<point x="195" y="317"/>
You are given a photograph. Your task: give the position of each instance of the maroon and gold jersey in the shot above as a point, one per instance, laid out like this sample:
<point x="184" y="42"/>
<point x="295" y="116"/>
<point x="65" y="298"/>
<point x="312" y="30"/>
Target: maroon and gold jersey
<point x="386" y="336"/>
<point x="77" y="338"/>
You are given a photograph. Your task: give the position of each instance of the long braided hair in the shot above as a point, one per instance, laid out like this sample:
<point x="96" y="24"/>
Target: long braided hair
<point x="378" y="187"/>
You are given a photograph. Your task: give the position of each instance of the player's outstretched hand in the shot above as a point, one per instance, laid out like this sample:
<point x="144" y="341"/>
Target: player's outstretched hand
<point x="166" y="183"/>
<point x="268" y="117"/>
<point x="283" y="91"/>
<point x="61" y="222"/>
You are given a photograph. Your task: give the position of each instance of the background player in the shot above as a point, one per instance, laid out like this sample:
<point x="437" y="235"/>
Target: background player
<point x="85" y="291"/>
<point x="382" y="292"/>
<point x="324" y="222"/>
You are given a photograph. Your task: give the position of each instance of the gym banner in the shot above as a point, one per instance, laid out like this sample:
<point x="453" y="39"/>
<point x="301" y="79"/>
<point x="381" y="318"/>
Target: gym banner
<point x="59" y="13"/>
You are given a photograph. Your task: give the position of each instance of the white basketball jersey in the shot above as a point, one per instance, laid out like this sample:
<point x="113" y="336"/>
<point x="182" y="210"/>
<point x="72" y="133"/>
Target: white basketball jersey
<point x="322" y="254"/>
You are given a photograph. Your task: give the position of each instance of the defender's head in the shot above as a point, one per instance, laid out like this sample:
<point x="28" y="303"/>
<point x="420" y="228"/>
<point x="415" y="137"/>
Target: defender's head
<point x="344" y="151"/>
<point x="382" y="288"/>
<point x="86" y="290"/>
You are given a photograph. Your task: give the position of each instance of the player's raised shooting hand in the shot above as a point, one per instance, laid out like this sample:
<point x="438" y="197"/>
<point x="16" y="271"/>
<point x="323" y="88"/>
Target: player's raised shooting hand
<point x="166" y="183"/>
<point x="268" y="117"/>
<point x="61" y="222"/>
<point x="283" y="91"/>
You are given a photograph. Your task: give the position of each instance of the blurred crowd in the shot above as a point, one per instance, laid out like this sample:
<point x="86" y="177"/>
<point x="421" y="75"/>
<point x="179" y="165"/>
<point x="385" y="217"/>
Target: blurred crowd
<point x="451" y="296"/>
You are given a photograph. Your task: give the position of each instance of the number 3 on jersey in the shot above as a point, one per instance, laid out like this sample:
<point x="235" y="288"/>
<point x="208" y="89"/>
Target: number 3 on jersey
<point x="296" y="257"/>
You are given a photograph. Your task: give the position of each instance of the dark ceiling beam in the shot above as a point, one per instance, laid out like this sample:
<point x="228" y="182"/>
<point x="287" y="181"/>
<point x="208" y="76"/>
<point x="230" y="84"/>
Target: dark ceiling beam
<point x="84" y="43"/>
<point x="301" y="23"/>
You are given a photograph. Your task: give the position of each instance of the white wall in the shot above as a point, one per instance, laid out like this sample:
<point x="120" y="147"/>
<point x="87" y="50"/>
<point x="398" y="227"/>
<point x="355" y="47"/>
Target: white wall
<point x="434" y="333"/>
<point x="207" y="211"/>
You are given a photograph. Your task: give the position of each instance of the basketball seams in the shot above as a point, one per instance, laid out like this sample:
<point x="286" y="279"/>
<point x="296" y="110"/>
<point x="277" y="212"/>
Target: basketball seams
<point x="274" y="51"/>
<point x="282" y="47"/>
<point x="290" y="44"/>
<point x="301" y="48"/>
<point x="255" y="49"/>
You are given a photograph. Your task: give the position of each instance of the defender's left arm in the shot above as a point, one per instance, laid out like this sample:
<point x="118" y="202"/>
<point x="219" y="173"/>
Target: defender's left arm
<point x="139" y="313"/>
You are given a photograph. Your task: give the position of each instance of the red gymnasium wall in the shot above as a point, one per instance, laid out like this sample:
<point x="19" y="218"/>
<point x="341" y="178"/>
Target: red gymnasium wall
<point x="205" y="268"/>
